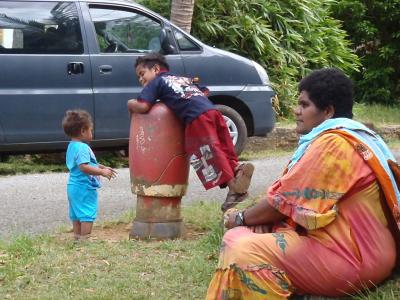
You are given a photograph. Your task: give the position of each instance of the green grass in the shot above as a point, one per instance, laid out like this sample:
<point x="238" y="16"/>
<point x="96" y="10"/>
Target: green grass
<point x="394" y="144"/>
<point x="54" y="162"/>
<point x="18" y="164"/>
<point x="55" y="267"/>
<point x="379" y="115"/>
<point x="50" y="267"/>
<point x="247" y="155"/>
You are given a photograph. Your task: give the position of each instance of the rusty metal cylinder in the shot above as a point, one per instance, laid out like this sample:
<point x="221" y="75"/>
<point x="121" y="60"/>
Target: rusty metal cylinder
<point x="159" y="172"/>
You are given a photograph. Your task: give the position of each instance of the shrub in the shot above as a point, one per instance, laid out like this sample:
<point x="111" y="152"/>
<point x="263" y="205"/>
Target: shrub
<point x="374" y="29"/>
<point x="289" y="38"/>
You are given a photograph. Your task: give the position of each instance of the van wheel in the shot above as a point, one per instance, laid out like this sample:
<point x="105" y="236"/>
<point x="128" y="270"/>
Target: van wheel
<point x="236" y="125"/>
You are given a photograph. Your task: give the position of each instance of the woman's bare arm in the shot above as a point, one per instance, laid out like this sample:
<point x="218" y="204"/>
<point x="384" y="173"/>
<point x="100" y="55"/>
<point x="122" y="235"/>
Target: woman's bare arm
<point x="260" y="214"/>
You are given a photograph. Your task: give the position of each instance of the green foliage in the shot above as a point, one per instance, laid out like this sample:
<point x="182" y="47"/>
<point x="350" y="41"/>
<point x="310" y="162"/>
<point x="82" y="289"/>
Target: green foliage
<point x="55" y="162"/>
<point x="374" y="29"/>
<point x="16" y="164"/>
<point x="161" y="7"/>
<point x="289" y="38"/>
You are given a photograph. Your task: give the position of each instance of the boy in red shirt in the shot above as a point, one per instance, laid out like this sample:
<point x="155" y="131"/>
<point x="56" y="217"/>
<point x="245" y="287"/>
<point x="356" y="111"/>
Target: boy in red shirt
<point x="207" y="140"/>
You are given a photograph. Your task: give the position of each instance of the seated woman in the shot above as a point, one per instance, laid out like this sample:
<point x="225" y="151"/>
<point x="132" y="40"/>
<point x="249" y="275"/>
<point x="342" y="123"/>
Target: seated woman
<point x="327" y="227"/>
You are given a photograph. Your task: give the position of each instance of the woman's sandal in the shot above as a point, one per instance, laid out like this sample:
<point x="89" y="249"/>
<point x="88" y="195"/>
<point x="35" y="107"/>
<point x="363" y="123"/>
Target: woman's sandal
<point x="243" y="175"/>
<point x="232" y="199"/>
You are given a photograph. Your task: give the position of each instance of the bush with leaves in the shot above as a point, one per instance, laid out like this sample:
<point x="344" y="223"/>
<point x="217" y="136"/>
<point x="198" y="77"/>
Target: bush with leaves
<point x="161" y="7"/>
<point x="289" y="38"/>
<point x="374" y="29"/>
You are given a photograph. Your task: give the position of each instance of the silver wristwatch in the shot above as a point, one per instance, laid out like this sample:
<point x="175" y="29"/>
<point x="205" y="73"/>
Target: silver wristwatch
<point x="239" y="219"/>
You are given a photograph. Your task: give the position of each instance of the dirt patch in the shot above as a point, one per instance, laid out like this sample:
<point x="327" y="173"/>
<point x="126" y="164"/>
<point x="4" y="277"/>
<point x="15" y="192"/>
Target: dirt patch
<point x="120" y="232"/>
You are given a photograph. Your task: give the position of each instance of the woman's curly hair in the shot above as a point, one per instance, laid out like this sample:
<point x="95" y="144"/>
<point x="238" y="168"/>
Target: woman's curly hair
<point x="330" y="86"/>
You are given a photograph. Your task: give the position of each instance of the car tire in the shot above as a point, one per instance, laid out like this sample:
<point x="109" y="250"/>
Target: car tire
<point x="236" y="126"/>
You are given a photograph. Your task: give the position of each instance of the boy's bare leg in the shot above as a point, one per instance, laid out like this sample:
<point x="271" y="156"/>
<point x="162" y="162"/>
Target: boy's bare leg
<point x="76" y="226"/>
<point x="86" y="229"/>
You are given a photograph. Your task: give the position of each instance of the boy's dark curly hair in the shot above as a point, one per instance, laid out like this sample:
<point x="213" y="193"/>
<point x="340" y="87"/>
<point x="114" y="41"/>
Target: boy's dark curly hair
<point x="152" y="59"/>
<point x="76" y="120"/>
<point x="330" y="86"/>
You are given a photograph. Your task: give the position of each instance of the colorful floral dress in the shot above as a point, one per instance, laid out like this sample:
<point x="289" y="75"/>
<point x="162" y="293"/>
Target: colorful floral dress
<point x="335" y="240"/>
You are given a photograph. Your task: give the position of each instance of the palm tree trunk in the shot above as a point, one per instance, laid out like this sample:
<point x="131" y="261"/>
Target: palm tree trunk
<point x="181" y="13"/>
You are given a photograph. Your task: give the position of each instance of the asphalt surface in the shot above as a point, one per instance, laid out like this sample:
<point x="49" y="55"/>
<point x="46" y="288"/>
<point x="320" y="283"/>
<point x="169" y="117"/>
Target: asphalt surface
<point x="37" y="203"/>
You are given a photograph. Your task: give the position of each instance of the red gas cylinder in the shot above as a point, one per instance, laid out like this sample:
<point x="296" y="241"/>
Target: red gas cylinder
<point x="159" y="172"/>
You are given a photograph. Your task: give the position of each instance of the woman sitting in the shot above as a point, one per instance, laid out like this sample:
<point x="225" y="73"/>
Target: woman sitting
<point x="327" y="227"/>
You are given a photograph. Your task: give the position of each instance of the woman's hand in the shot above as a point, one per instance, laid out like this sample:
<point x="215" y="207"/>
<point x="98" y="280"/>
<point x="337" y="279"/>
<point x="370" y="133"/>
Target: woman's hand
<point x="259" y="214"/>
<point x="229" y="218"/>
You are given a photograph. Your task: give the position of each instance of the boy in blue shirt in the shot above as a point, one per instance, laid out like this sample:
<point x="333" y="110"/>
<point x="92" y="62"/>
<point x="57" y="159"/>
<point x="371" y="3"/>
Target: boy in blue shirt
<point x="85" y="172"/>
<point x="207" y="140"/>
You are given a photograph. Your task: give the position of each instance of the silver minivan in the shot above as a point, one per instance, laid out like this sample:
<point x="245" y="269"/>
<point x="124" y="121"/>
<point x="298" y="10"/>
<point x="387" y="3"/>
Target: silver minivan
<point x="59" y="55"/>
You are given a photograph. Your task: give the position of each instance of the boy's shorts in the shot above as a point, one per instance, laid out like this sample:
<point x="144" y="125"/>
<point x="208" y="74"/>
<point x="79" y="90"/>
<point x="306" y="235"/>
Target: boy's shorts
<point x="210" y="149"/>
<point x="83" y="203"/>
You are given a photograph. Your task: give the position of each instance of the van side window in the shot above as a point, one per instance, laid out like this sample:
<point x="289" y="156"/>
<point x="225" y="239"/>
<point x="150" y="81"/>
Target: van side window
<point x="40" y="28"/>
<point x="184" y="43"/>
<point x="121" y="30"/>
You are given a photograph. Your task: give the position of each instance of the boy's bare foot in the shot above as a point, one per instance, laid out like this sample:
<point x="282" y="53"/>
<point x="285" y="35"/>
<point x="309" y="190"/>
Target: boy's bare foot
<point x="232" y="199"/>
<point x="243" y="175"/>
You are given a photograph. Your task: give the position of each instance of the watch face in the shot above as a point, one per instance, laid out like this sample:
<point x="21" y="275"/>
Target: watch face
<point x="238" y="219"/>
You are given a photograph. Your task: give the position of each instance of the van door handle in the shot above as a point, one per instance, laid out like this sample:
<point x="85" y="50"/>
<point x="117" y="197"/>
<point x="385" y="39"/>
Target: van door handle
<point x="105" y="69"/>
<point x="75" y="68"/>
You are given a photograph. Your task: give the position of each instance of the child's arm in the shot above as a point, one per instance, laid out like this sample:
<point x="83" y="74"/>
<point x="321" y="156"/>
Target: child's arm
<point x="101" y="170"/>
<point x="140" y="107"/>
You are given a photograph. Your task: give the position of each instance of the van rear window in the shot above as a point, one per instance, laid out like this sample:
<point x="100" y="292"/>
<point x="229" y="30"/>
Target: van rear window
<point x="40" y="28"/>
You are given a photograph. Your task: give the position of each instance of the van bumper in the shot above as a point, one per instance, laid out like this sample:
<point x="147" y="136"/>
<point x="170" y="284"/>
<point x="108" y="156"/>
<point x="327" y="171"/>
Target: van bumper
<point x="259" y="101"/>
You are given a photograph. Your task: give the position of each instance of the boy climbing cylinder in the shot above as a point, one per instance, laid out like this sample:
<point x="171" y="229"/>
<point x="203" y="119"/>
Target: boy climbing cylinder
<point x="159" y="172"/>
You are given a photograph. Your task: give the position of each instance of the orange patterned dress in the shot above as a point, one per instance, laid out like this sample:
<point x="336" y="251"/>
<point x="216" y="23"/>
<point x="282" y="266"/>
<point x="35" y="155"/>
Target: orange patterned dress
<point x="335" y="240"/>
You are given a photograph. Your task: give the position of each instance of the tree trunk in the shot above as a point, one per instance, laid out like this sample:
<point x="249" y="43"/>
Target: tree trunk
<point x="181" y="13"/>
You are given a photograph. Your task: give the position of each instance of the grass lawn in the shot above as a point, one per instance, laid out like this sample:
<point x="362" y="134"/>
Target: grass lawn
<point x="113" y="267"/>
<point x="379" y="115"/>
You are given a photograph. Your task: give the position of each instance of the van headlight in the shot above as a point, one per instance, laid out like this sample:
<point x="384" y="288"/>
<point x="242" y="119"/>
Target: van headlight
<point x="262" y="73"/>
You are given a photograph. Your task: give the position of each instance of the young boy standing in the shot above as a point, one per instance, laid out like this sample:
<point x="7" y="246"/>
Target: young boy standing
<point x="84" y="174"/>
<point x="207" y="140"/>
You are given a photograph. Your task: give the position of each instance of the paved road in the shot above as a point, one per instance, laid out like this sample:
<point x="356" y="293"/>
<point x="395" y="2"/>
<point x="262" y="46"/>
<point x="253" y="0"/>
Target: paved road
<point x="37" y="203"/>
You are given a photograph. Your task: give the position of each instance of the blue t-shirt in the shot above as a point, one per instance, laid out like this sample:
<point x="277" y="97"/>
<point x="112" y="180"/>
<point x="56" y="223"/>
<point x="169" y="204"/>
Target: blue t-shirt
<point x="179" y="94"/>
<point x="80" y="153"/>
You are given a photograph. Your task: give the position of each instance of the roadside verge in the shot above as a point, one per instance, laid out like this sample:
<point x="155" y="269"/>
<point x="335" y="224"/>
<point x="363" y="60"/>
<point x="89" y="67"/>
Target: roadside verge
<point x="287" y="138"/>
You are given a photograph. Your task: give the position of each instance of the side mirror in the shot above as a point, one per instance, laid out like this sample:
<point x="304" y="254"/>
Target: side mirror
<point x="166" y="45"/>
